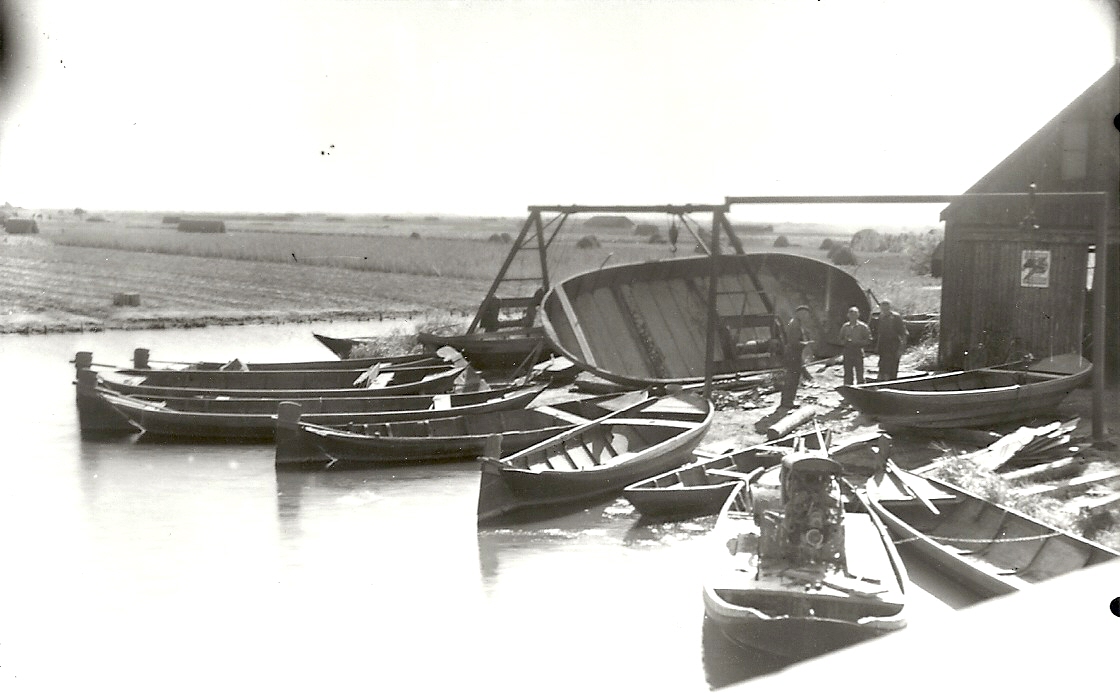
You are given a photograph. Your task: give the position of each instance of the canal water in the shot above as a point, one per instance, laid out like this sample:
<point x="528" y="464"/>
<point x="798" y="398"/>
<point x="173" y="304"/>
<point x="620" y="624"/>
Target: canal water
<point x="174" y="566"/>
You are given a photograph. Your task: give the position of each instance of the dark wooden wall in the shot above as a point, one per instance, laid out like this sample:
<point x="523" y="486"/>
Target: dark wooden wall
<point x="987" y="316"/>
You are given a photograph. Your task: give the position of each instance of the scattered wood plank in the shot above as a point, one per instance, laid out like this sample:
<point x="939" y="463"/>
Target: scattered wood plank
<point x="1093" y="506"/>
<point x="1041" y="472"/>
<point x="790" y="421"/>
<point x="1074" y="485"/>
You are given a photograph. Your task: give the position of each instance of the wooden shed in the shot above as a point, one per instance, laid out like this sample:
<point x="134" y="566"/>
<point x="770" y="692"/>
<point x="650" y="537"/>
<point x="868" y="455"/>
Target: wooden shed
<point x="1017" y="274"/>
<point x="17" y="225"/>
<point x="202" y="225"/>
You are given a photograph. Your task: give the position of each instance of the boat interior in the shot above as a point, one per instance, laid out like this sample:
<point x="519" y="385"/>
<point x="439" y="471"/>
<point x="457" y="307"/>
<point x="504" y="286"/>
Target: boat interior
<point x="1013" y="545"/>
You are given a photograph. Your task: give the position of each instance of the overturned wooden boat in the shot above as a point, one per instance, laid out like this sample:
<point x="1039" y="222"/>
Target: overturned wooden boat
<point x="965" y="399"/>
<point x="437" y="439"/>
<point x="991" y="549"/>
<point x="595" y="459"/>
<point x="799" y="566"/>
<point x="647" y="323"/>
<point x="255" y="419"/>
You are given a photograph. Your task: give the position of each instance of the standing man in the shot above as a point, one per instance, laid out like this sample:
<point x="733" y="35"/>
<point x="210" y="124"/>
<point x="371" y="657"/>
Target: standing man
<point x="797" y="338"/>
<point x="892" y="339"/>
<point x="854" y="336"/>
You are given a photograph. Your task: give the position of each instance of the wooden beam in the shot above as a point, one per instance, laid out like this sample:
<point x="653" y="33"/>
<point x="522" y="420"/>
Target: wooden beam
<point x="636" y="209"/>
<point x="713" y="279"/>
<point x="577" y="329"/>
<point x="899" y="199"/>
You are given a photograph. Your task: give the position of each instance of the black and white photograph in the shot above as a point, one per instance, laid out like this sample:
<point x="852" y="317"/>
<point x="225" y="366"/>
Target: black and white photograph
<point x="545" y="345"/>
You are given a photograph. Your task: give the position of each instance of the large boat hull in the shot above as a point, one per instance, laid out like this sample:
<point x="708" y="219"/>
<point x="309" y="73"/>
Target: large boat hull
<point x="647" y="323"/>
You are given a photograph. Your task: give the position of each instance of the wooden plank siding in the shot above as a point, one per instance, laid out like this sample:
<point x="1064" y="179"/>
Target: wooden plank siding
<point x="986" y="313"/>
<point x="1077" y="150"/>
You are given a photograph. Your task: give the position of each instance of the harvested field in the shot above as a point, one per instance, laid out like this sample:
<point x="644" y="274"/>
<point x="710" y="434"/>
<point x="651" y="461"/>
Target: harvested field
<point x="307" y="267"/>
<point x="46" y="287"/>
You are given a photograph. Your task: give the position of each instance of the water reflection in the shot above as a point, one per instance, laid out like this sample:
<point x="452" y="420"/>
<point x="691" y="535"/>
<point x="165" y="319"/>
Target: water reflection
<point x="726" y="663"/>
<point x="347" y="575"/>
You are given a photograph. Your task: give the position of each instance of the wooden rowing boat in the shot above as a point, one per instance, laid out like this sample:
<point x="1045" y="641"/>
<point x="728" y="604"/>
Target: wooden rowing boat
<point x="501" y="350"/>
<point x="972" y="398"/>
<point x="141" y="361"/>
<point x="646" y="323"/>
<point x="798" y="568"/>
<point x="594" y="459"/>
<point x="991" y="549"/>
<point x="98" y="418"/>
<point x="297" y="384"/>
<point x="248" y="419"/>
<point x="701" y="486"/>
<point x="442" y="439"/>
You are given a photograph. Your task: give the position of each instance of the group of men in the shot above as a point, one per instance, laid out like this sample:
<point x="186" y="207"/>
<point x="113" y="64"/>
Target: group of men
<point x="855" y="335"/>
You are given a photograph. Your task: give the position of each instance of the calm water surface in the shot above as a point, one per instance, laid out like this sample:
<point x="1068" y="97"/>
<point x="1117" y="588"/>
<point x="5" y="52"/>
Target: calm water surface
<point x="176" y="566"/>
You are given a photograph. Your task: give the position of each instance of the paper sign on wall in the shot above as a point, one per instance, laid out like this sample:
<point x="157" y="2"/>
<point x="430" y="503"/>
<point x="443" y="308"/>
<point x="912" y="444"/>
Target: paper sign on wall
<point x="1034" y="270"/>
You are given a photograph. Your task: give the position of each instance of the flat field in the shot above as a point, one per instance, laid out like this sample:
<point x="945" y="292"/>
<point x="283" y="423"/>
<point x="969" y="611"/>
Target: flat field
<point x="329" y="267"/>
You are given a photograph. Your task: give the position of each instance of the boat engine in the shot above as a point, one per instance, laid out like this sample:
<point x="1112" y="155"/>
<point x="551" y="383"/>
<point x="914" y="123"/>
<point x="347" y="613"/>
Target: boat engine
<point x="809" y="530"/>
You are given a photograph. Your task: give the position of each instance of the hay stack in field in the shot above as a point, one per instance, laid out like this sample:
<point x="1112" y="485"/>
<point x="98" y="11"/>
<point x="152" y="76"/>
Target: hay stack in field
<point x="656" y="237"/>
<point x="608" y="221"/>
<point x="868" y="241"/>
<point x="588" y="242"/>
<point x="414" y="235"/>
<point x="842" y="255"/>
<point x="781" y="242"/>
<point x="827" y="244"/>
<point x="936" y="260"/>
<point x="202" y="225"/>
<point x="17" y="225"/>
<point x="172" y="219"/>
<point x="500" y="238"/>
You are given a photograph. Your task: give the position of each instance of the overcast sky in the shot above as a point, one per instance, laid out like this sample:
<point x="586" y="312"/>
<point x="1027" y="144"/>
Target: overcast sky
<point x="486" y="107"/>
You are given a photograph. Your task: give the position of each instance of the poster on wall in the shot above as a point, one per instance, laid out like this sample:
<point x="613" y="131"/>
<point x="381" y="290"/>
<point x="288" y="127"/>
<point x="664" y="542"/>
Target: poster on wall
<point x="1034" y="270"/>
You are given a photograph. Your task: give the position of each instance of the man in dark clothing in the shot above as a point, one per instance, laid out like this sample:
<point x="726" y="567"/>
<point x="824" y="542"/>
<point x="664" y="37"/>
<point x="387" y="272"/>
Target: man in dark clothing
<point x="797" y="338"/>
<point x="892" y="339"/>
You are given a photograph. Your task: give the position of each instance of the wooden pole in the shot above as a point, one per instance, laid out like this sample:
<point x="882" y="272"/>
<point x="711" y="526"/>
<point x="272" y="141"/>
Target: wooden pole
<point x="541" y="253"/>
<point x="710" y="346"/>
<point x="1100" y="320"/>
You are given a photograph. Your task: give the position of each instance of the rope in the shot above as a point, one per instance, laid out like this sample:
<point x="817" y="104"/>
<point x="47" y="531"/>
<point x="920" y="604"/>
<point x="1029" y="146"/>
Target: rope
<point x="978" y="541"/>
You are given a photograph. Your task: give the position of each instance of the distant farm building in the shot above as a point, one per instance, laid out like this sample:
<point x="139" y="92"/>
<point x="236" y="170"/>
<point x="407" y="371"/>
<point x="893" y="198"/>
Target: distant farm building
<point x="645" y="229"/>
<point x="1016" y="278"/>
<point x="608" y="221"/>
<point x="17" y="225"/>
<point x="202" y="225"/>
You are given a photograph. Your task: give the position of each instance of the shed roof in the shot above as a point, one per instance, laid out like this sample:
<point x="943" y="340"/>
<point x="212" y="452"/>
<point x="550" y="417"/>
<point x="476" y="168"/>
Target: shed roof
<point x="1039" y="159"/>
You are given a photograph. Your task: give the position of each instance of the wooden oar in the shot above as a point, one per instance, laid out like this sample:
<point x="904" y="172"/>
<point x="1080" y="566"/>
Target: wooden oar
<point x="894" y="471"/>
